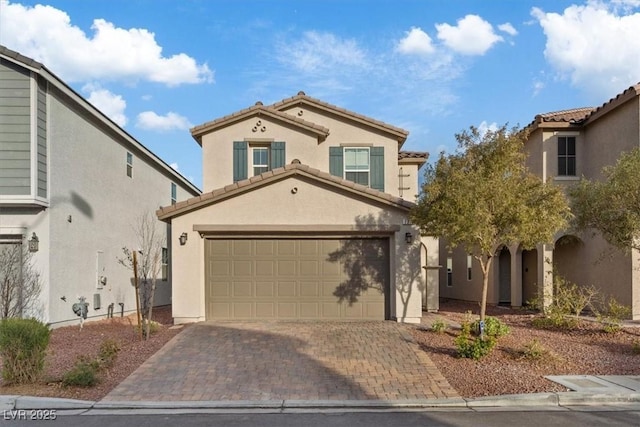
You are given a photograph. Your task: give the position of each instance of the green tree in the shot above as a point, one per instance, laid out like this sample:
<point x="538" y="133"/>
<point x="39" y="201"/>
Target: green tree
<point x="483" y="196"/>
<point x="611" y="206"/>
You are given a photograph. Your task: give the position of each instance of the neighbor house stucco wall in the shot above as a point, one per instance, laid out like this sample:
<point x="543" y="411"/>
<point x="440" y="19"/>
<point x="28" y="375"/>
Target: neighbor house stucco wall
<point x="93" y="208"/>
<point x="312" y="205"/>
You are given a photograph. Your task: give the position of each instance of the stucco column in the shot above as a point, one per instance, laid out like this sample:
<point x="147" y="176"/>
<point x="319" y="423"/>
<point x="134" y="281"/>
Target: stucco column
<point x="430" y="260"/>
<point x="635" y="284"/>
<point x="545" y="274"/>
<point x="408" y="276"/>
<point x="516" y="276"/>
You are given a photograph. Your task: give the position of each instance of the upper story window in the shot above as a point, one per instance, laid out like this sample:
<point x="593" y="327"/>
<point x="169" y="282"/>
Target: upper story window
<point x="174" y="193"/>
<point x="357" y="165"/>
<point x="129" y="165"/>
<point x="256" y="158"/>
<point x="362" y="165"/>
<point x="567" y="156"/>
<point x="164" y="271"/>
<point x="260" y="157"/>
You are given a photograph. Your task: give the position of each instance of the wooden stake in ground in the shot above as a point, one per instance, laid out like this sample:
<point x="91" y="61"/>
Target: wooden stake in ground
<point x="136" y="286"/>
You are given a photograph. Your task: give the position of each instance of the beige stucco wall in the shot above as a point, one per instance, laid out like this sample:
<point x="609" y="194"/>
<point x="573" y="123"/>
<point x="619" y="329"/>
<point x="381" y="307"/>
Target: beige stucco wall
<point x="93" y="205"/>
<point x="408" y="187"/>
<point x="217" y="147"/>
<point x="312" y="205"/>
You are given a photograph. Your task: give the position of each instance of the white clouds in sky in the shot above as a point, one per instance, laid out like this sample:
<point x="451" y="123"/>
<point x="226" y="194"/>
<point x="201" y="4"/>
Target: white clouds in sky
<point x="150" y="120"/>
<point x="471" y="36"/>
<point x="485" y="127"/>
<point x="109" y="53"/>
<point x="416" y="42"/>
<point x="594" y="45"/>
<point x="316" y="51"/>
<point x="508" y="28"/>
<point x="110" y="104"/>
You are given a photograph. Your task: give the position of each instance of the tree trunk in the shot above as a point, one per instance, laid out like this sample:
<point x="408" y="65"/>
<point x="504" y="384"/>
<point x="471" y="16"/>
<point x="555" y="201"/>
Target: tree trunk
<point x="485" y="286"/>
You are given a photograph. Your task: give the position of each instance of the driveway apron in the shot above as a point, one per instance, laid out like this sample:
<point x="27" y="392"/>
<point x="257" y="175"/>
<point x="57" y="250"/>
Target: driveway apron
<point x="287" y="360"/>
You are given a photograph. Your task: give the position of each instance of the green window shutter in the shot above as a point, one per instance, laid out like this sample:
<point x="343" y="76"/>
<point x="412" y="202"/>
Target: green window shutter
<point x="240" y="160"/>
<point x="377" y="168"/>
<point x="336" y="166"/>
<point x="277" y="154"/>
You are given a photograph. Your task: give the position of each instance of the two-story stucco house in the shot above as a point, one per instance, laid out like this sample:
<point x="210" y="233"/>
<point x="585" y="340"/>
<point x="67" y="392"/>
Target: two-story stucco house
<point x="562" y="147"/>
<point x="77" y="182"/>
<point x="304" y="215"/>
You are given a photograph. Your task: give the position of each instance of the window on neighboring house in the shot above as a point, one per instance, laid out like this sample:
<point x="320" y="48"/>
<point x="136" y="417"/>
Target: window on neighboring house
<point x="363" y="165"/>
<point x="256" y="158"/>
<point x="174" y="192"/>
<point x="165" y="264"/>
<point x="260" y="156"/>
<point x="469" y="266"/>
<point x="356" y="165"/>
<point x="449" y="271"/>
<point x="129" y="165"/>
<point x="567" y="156"/>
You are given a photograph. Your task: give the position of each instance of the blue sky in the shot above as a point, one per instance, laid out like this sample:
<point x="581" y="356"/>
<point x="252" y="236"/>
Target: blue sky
<point x="159" y="67"/>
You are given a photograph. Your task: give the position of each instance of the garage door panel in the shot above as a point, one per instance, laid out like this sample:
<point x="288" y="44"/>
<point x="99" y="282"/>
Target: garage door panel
<point x="287" y="289"/>
<point x="294" y="278"/>
<point x="265" y="289"/>
<point x="242" y="289"/>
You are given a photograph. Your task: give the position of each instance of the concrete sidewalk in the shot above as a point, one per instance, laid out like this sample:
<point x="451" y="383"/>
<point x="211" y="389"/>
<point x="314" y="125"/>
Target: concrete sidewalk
<point x="535" y="401"/>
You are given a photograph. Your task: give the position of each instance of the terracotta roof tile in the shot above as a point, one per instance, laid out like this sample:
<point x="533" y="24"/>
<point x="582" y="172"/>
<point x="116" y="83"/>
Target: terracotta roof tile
<point x="413" y="155"/>
<point x="574" y="115"/>
<point x="290" y="169"/>
<point x="301" y="97"/>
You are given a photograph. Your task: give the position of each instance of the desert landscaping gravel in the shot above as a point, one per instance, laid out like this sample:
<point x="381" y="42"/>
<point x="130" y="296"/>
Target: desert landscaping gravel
<point x="585" y="350"/>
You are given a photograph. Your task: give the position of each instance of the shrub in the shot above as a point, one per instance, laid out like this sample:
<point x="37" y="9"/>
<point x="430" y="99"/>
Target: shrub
<point x="493" y="327"/>
<point x="635" y="347"/>
<point x="439" y="326"/>
<point x="108" y="353"/>
<point x="23" y="345"/>
<point x="569" y="299"/>
<point x="534" y="350"/>
<point x="613" y="315"/>
<point x="473" y="348"/>
<point x="83" y="374"/>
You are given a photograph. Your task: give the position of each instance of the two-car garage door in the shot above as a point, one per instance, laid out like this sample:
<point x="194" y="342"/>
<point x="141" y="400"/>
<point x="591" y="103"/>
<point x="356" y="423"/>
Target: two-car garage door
<point x="297" y="278"/>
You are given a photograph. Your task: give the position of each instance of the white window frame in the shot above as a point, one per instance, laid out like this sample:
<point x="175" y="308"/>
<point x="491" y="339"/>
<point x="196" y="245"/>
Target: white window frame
<point x="449" y="272"/>
<point x="259" y="147"/>
<point x="164" y="269"/>
<point x="129" y="164"/>
<point x="174" y="193"/>
<point x="469" y="266"/>
<point x="344" y="164"/>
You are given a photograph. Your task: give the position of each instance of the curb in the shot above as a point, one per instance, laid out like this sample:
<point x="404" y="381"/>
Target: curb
<point x="540" y="400"/>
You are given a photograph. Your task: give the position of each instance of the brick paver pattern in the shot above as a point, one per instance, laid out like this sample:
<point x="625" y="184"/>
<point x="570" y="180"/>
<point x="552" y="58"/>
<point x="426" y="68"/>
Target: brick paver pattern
<point x="287" y="360"/>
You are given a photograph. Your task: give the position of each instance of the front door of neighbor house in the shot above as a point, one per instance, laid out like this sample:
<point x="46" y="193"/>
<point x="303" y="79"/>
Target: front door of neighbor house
<point x="504" y="267"/>
<point x="339" y="279"/>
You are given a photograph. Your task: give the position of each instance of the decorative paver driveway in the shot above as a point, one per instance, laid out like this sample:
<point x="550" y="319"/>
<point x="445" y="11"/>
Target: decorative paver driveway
<point x="287" y="360"/>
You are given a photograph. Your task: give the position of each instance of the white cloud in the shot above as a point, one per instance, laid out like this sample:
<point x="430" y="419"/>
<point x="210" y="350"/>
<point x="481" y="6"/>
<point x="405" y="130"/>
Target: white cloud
<point x="110" y="53"/>
<point x="416" y="42"/>
<point x="538" y="86"/>
<point x="508" y="28"/>
<point x="485" y="127"/>
<point x="316" y="51"/>
<point x="149" y="120"/>
<point x="110" y="104"/>
<point x="175" y="167"/>
<point x="594" y="45"/>
<point x="471" y="36"/>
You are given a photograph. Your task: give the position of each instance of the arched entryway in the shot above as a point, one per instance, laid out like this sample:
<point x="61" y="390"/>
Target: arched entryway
<point x="568" y="259"/>
<point x="529" y="275"/>
<point x="504" y="276"/>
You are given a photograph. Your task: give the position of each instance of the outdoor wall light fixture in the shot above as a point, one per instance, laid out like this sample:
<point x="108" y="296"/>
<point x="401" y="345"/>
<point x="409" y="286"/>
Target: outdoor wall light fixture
<point x="33" y="243"/>
<point x="183" y="239"/>
<point x="408" y="237"/>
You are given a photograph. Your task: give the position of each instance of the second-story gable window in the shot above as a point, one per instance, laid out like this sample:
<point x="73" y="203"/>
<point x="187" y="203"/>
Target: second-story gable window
<point x="362" y="165"/>
<point x="256" y="158"/>
<point x="260" y="157"/>
<point x="567" y="156"/>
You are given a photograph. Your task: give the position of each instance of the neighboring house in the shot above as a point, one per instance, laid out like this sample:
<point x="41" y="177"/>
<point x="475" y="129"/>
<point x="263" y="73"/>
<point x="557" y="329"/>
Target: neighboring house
<point x="304" y="215"/>
<point x="562" y="147"/>
<point x="77" y="182"/>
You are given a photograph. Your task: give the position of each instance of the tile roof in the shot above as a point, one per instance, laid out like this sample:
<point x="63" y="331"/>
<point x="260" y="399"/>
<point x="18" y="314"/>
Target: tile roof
<point x="239" y="187"/>
<point x="302" y="98"/>
<point x="413" y="155"/>
<point x="574" y="115"/>
<point x="258" y="109"/>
